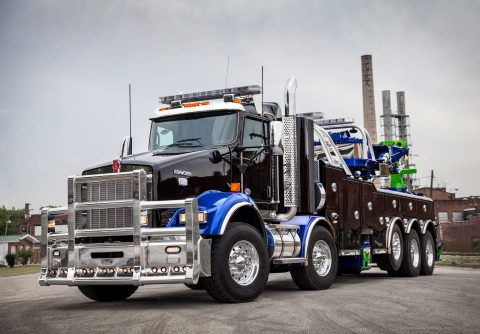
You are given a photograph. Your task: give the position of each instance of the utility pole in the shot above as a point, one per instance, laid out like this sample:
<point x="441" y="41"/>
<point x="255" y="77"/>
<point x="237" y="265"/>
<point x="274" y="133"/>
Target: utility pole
<point x="431" y="185"/>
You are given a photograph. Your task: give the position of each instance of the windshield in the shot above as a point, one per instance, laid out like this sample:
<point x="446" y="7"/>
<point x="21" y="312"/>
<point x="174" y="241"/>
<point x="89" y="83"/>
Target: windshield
<point x="192" y="132"/>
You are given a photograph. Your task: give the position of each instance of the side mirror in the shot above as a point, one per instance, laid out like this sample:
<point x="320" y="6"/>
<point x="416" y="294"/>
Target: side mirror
<point x="215" y="157"/>
<point x="276" y="138"/>
<point x="126" y="147"/>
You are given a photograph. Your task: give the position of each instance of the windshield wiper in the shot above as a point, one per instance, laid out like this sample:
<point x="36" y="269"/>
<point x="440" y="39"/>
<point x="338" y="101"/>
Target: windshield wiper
<point x="189" y="139"/>
<point x="181" y="143"/>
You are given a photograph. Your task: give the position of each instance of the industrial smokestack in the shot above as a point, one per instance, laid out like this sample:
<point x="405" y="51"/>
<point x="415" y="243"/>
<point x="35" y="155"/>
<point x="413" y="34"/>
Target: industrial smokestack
<point x="402" y="120"/>
<point x="387" y="115"/>
<point x="369" y="119"/>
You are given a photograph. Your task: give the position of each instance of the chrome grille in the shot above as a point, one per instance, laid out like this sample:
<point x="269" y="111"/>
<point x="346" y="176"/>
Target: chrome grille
<point x="100" y="191"/>
<point x="104" y="191"/>
<point x="104" y="218"/>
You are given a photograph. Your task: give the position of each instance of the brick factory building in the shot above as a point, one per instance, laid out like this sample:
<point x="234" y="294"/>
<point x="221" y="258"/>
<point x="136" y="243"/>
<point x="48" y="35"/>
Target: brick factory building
<point x="459" y="220"/>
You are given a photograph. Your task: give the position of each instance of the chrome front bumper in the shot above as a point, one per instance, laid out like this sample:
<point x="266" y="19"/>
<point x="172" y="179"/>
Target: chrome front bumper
<point x="125" y="256"/>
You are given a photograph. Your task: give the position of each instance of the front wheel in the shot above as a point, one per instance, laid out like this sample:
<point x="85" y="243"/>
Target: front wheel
<point x="107" y="293"/>
<point x="428" y="254"/>
<point x="239" y="265"/>
<point x="321" y="270"/>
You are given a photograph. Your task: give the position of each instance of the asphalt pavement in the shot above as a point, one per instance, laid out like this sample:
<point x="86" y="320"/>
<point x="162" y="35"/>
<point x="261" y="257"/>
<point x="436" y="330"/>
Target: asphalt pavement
<point x="372" y="302"/>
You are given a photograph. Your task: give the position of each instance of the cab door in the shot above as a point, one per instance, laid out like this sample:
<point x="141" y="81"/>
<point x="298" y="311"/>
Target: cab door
<point x="256" y="178"/>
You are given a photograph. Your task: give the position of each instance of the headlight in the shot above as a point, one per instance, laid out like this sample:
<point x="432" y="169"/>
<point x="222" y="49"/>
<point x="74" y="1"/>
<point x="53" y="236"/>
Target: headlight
<point x="202" y="217"/>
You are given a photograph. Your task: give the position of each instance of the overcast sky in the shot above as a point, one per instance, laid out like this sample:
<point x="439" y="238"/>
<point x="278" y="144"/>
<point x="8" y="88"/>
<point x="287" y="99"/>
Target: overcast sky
<point x="65" y="67"/>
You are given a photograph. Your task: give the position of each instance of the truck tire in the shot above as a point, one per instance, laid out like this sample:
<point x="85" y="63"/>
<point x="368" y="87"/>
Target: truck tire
<point x="198" y="286"/>
<point x="240" y="265"/>
<point x="427" y="247"/>
<point x="393" y="261"/>
<point x="107" y="293"/>
<point x="321" y="270"/>
<point x="411" y="262"/>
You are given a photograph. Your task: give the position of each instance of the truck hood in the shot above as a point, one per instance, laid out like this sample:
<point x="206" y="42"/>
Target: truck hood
<point x="149" y="159"/>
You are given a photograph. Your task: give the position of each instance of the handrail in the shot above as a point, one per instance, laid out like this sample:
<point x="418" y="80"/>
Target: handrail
<point x="324" y="137"/>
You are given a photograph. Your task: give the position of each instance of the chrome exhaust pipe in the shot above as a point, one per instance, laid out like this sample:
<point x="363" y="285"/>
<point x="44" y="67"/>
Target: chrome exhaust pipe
<point x="290" y="102"/>
<point x="290" y="166"/>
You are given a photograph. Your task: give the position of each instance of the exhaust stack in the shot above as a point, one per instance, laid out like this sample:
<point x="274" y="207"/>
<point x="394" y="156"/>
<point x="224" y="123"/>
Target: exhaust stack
<point x="290" y="101"/>
<point x="290" y="166"/>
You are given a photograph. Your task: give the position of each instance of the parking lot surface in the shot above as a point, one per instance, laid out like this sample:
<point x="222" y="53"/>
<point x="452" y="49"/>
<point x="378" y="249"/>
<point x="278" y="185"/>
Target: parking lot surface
<point x="372" y="302"/>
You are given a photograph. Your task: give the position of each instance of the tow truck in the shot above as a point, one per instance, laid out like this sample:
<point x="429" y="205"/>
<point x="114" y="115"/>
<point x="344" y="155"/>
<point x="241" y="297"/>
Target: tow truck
<point x="231" y="190"/>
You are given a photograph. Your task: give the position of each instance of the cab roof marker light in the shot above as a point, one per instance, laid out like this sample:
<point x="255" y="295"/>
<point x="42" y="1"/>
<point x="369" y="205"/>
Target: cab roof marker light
<point x="211" y="94"/>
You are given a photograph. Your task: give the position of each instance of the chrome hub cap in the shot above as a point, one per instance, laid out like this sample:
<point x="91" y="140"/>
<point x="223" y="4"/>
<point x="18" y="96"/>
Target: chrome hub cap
<point x="321" y="258"/>
<point x="429" y="253"/>
<point x="414" y="253"/>
<point x="243" y="262"/>
<point x="396" y="247"/>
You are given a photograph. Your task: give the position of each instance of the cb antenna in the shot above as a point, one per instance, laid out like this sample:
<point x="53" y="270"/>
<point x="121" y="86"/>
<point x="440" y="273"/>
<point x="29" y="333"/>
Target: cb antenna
<point x="226" y="77"/>
<point x="130" y="104"/>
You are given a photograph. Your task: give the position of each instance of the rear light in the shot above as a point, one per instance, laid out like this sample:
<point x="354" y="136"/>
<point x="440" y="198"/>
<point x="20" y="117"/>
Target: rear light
<point x="116" y="166"/>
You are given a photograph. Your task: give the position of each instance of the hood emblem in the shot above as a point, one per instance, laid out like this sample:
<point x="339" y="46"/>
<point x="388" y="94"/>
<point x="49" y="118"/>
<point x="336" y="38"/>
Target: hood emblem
<point x="182" y="172"/>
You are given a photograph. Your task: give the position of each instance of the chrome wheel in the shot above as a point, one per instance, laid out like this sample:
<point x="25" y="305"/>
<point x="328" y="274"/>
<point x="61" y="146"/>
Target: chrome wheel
<point x="396" y="246"/>
<point x="429" y="253"/>
<point x="244" y="262"/>
<point x="415" y="253"/>
<point x="321" y="258"/>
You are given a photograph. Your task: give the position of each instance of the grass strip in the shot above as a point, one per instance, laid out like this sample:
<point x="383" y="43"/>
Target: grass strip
<point x="20" y="270"/>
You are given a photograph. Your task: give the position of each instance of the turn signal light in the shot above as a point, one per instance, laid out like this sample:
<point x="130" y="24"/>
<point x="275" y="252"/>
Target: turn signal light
<point x="234" y="187"/>
<point x="162" y="109"/>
